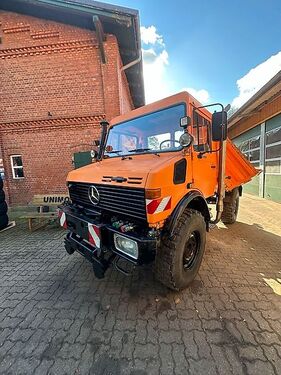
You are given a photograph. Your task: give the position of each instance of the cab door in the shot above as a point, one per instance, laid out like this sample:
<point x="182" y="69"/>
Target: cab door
<point x="205" y="163"/>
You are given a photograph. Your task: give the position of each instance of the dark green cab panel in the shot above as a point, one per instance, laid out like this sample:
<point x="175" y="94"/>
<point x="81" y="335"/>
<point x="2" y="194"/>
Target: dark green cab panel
<point x="80" y="159"/>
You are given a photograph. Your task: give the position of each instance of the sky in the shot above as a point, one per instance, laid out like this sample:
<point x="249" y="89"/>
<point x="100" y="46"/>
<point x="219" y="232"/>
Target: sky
<point x="218" y="50"/>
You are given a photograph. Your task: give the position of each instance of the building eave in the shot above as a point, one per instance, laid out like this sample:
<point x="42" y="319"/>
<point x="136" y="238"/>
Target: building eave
<point x="264" y="96"/>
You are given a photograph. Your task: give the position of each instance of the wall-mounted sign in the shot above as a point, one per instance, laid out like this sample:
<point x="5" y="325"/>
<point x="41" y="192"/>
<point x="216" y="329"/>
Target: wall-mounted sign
<point x="50" y="199"/>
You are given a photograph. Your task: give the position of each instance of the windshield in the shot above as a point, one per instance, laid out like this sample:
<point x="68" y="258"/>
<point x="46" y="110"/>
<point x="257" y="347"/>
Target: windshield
<point x="156" y="132"/>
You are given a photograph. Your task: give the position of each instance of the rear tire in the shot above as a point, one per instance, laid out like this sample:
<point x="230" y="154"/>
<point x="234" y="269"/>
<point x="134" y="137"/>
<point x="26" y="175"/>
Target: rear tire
<point x="230" y="207"/>
<point x="2" y="196"/>
<point x="178" y="260"/>
<point x="3" y="208"/>
<point x="4" y="220"/>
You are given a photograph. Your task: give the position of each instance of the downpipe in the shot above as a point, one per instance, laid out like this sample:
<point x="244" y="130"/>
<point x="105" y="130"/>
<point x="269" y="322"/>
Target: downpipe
<point x="132" y="63"/>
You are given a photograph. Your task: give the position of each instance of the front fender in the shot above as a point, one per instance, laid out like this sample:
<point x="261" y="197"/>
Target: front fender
<point x="195" y="200"/>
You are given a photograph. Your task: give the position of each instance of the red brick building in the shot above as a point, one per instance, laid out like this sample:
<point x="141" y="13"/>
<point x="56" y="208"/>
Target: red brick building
<point x="64" y="66"/>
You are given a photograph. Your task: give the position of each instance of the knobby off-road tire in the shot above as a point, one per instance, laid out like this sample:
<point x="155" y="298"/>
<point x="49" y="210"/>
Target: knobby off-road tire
<point x="230" y="207"/>
<point x="2" y="196"/>
<point x="179" y="257"/>
<point x="4" y="221"/>
<point x="3" y="208"/>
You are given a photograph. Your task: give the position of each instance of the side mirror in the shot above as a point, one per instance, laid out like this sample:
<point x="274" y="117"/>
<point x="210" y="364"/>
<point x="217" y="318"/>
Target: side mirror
<point x="219" y="126"/>
<point x="96" y="142"/>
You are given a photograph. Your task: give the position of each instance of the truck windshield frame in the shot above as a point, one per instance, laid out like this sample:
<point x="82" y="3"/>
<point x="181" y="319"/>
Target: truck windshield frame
<point x="148" y="132"/>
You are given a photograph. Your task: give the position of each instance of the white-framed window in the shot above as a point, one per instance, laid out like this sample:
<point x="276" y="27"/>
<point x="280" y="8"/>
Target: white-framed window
<point x="273" y="151"/>
<point x="17" y="167"/>
<point x="251" y="149"/>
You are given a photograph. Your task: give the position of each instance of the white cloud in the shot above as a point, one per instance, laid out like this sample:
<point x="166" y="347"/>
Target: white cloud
<point x="158" y="84"/>
<point x="155" y="61"/>
<point x="149" y="35"/>
<point x="154" y="69"/>
<point x="202" y="95"/>
<point x="257" y="77"/>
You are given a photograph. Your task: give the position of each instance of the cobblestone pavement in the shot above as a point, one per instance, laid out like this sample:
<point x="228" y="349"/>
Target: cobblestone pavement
<point x="56" y="318"/>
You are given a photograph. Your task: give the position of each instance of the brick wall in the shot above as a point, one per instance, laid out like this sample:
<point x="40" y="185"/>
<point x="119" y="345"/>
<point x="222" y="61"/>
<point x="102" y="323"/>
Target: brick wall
<point x="46" y="148"/>
<point x="54" y="91"/>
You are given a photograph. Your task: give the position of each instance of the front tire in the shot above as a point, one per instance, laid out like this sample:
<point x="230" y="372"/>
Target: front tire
<point x="179" y="258"/>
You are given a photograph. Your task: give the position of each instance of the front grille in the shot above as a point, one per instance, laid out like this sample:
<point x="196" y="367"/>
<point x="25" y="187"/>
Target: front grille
<point x="123" y="200"/>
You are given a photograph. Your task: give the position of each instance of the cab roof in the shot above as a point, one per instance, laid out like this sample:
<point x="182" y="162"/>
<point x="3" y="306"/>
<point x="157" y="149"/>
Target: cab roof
<point x="182" y="97"/>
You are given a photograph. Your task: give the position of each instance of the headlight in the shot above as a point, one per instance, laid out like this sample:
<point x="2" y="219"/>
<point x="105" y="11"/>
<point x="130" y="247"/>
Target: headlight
<point x="126" y="246"/>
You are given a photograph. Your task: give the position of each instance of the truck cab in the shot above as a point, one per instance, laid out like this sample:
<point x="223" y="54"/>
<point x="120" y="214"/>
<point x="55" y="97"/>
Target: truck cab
<point x="145" y="197"/>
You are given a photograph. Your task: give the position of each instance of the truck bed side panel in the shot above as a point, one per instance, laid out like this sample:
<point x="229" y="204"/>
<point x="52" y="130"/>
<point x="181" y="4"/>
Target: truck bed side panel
<point x="238" y="169"/>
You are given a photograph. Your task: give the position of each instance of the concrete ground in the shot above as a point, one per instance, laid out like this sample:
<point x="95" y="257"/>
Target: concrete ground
<point x="56" y="318"/>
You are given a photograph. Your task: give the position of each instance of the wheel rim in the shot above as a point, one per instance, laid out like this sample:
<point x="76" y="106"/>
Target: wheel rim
<point x="191" y="248"/>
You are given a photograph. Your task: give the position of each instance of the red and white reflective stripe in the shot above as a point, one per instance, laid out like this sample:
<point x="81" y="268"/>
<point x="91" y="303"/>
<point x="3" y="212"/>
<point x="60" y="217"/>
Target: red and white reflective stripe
<point x="155" y="206"/>
<point x="94" y="235"/>
<point x="62" y="218"/>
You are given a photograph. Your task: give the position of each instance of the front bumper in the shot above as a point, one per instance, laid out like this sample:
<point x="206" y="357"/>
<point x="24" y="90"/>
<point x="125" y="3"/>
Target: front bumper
<point x="95" y="240"/>
<point x="74" y="243"/>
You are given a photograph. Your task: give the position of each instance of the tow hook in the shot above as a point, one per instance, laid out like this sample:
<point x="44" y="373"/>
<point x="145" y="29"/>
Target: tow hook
<point x="116" y="263"/>
<point x="99" y="268"/>
<point x="100" y="265"/>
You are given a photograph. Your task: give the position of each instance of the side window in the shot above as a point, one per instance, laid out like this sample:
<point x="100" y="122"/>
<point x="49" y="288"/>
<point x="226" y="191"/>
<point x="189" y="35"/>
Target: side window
<point x="17" y="167"/>
<point x="201" y="133"/>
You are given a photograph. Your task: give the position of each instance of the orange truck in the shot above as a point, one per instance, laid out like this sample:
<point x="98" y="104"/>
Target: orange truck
<point x="146" y="197"/>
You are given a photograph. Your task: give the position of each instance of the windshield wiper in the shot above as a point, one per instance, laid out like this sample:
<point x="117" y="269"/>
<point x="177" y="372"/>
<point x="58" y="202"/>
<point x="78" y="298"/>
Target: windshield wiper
<point x="140" y="149"/>
<point x="113" y="152"/>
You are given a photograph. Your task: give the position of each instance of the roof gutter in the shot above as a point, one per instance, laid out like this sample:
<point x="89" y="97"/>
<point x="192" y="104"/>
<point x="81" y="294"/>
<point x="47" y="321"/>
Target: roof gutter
<point x="138" y="45"/>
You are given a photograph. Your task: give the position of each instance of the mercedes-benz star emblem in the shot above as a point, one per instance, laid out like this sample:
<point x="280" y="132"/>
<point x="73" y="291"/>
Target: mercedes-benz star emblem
<point x="94" y="195"/>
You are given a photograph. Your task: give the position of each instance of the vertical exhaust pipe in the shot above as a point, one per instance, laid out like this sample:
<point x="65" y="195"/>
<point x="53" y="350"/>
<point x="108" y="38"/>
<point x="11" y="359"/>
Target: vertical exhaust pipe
<point x="104" y="124"/>
<point x="221" y="182"/>
<point x="222" y="159"/>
